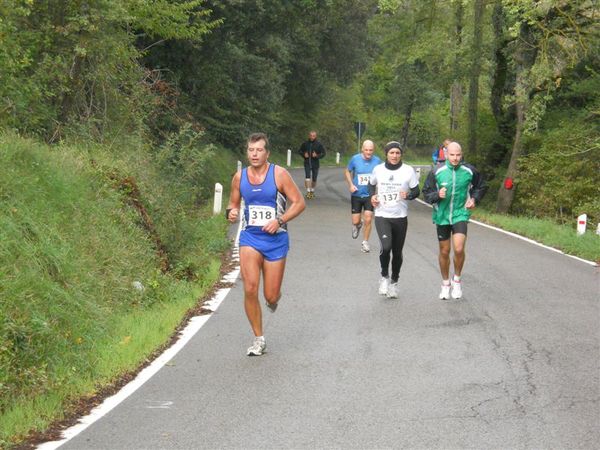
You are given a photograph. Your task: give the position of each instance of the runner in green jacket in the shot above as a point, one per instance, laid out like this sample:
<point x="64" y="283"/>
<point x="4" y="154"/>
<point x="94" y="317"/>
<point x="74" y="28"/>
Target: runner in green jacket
<point x="453" y="189"/>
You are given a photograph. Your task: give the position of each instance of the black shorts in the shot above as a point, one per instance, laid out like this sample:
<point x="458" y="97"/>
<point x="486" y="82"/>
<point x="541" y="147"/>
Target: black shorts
<point x="444" y="231"/>
<point x="311" y="172"/>
<point x="359" y="203"/>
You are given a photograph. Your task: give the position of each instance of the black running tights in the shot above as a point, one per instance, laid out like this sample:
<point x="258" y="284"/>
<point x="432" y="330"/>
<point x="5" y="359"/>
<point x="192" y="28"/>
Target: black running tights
<point x="392" y="233"/>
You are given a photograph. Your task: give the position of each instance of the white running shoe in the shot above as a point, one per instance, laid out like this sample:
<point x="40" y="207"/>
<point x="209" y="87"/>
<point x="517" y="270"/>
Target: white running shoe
<point x="445" y="292"/>
<point x="456" y="290"/>
<point x="257" y="348"/>
<point x="356" y="230"/>
<point x="383" y="286"/>
<point x="365" y="247"/>
<point x="392" y="291"/>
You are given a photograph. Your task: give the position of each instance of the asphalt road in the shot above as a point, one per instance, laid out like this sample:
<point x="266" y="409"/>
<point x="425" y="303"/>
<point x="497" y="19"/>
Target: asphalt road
<point x="514" y="364"/>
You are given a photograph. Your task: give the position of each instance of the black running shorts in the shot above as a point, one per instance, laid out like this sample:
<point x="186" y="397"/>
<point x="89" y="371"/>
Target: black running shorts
<point x="359" y="203"/>
<point x="311" y="171"/>
<point x="444" y="231"/>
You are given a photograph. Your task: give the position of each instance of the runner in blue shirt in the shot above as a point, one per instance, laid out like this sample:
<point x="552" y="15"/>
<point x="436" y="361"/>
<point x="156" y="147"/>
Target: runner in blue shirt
<point x="358" y="174"/>
<point x="270" y="200"/>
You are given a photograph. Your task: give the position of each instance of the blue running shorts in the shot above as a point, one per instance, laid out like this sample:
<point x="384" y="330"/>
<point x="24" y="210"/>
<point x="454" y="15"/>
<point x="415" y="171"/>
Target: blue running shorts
<point x="273" y="247"/>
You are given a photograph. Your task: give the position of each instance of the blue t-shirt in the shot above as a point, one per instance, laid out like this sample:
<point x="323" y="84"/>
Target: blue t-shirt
<point x="361" y="170"/>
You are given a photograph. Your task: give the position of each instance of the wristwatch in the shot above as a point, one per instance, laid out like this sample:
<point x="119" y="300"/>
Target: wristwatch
<point x="280" y="221"/>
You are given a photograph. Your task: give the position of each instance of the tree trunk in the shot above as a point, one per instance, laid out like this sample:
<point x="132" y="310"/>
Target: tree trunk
<point x="456" y="99"/>
<point x="474" y="73"/>
<point x="506" y="196"/>
<point x="406" y="126"/>
<point x="501" y="67"/>
<point x="502" y="85"/>
<point x="456" y="92"/>
<point x="524" y="58"/>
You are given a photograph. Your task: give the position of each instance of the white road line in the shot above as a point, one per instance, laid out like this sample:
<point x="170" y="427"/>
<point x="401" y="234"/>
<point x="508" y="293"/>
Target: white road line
<point x="185" y="335"/>
<point x="523" y="238"/>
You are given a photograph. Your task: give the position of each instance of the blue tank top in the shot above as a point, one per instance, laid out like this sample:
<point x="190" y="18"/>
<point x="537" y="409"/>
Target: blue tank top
<point x="262" y="202"/>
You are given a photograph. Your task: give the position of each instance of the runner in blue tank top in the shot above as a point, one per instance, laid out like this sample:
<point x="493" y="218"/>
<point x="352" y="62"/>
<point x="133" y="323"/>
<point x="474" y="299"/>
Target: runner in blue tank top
<point x="357" y="175"/>
<point x="271" y="200"/>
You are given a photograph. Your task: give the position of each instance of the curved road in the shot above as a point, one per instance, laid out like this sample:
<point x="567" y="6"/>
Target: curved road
<point x="514" y="364"/>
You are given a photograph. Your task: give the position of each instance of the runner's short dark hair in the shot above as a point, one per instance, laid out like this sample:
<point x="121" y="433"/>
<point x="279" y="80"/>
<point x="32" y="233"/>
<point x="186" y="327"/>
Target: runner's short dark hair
<point x="255" y="137"/>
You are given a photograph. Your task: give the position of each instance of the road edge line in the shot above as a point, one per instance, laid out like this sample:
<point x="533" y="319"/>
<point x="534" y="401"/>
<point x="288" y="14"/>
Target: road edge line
<point x="523" y="238"/>
<point x="193" y="326"/>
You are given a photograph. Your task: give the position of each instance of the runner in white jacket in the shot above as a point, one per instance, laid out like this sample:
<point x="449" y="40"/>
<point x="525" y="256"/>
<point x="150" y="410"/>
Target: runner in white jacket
<point x="392" y="184"/>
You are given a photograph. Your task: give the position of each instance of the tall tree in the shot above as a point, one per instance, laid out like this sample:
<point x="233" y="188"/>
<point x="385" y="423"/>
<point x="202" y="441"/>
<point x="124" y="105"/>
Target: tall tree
<point x="474" y="73"/>
<point x="552" y="38"/>
<point x="502" y="86"/>
<point x="524" y="59"/>
<point x="456" y="93"/>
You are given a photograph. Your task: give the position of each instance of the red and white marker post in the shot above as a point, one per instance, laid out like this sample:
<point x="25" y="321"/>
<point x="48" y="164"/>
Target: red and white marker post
<point x="581" y="224"/>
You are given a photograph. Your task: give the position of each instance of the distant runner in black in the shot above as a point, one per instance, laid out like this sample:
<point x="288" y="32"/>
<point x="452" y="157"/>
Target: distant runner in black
<point x="312" y="151"/>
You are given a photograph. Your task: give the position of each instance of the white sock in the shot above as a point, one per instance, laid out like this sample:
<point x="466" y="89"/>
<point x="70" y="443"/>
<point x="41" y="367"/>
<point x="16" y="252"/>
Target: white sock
<point x="445" y="282"/>
<point x="457" y="278"/>
<point x="262" y="338"/>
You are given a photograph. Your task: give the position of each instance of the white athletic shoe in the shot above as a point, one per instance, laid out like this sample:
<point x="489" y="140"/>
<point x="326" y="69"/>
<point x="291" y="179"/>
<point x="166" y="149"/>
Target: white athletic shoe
<point x="445" y="292"/>
<point x="383" y="286"/>
<point x="356" y="230"/>
<point x="392" y="291"/>
<point x="257" y="348"/>
<point x="365" y="247"/>
<point x="456" y="290"/>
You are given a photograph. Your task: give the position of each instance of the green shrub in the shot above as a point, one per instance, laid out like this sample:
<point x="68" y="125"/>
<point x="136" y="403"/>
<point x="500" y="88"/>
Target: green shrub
<point x="71" y="247"/>
<point x="560" y="179"/>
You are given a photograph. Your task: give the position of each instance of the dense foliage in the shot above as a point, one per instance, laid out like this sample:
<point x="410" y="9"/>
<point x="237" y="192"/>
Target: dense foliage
<point x="488" y="74"/>
<point x="515" y="82"/>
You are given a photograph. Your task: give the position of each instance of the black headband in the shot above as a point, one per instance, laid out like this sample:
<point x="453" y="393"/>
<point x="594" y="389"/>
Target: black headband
<point x="391" y="145"/>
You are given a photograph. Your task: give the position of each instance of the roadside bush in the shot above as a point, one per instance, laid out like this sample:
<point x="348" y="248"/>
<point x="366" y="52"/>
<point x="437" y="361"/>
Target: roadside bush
<point x="560" y="180"/>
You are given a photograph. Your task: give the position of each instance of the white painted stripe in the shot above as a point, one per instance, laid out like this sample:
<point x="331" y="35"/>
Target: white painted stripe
<point x="185" y="336"/>
<point x="523" y="238"/>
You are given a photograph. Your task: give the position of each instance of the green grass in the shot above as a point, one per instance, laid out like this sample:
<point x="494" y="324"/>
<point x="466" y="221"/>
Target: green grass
<point x="547" y="232"/>
<point x="71" y="246"/>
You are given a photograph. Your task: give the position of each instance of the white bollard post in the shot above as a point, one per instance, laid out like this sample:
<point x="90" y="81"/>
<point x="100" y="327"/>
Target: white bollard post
<point x="418" y="170"/>
<point x="289" y="157"/>
<point x="337" y="157"/>
<point x="598" y="230"/>
<point x="581" y="224"/>
<point x="218" y="198"/>
<point x="239" y="166"/>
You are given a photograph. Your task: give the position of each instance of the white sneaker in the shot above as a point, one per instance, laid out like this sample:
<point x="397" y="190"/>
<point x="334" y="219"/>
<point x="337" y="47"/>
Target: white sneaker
<point x="392" y="291"/>
<point x="257" y="348"/>
<point x="456" y="289"/>
<point x="365" y="247"/>
<point x="356" y="230"/>
<point x="383" y="286"/>
<point x="445" y="292"/>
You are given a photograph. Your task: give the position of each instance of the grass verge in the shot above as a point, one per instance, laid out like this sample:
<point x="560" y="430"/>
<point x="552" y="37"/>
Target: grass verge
<point x="71" y="247"/>
<point x="547" y="232"/>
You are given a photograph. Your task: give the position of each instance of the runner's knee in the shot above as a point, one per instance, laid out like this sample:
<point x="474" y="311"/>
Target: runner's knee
<point x="272" y="297"/>
<point x="444" y="250"/>
<point x="250" y="286"/>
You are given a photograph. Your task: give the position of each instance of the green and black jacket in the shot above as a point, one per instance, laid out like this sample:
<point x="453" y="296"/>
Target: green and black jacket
<point x="461" y="182"/>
